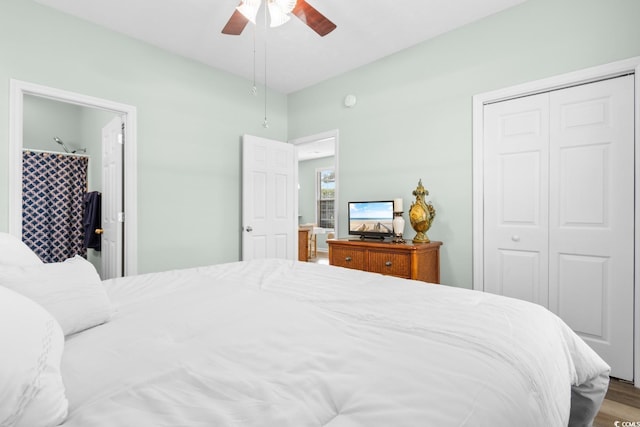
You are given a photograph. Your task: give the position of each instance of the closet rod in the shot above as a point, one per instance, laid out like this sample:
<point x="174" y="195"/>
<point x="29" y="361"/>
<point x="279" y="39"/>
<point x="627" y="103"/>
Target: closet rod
<point x="57" y="153"/>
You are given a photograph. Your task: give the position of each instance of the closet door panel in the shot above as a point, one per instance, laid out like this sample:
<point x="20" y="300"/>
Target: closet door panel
<point x="519" y="274"/>
<point x="591" y="216"/>
<point x="516" y="198"/>
<point x="584" y="172"/>
<point x="588" y="278"/>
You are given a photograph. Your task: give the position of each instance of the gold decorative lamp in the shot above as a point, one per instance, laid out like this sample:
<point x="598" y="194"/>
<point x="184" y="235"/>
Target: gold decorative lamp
<point x="421" y="214"/>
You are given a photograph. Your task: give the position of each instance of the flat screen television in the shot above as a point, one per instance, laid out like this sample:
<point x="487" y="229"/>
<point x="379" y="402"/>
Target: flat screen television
<point x="371" y="219"/>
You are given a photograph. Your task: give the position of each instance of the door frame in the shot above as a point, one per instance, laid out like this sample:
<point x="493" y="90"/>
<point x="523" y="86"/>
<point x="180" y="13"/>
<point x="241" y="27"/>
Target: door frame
<point x="588" y="75"/>
<point x="20" y="88"/>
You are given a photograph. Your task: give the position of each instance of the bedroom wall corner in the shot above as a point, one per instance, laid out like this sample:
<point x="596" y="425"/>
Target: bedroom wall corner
<point x="418" y="102"/>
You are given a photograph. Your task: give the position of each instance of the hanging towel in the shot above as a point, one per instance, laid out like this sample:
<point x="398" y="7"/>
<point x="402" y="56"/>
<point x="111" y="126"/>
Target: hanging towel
<point x="92" y="220"/>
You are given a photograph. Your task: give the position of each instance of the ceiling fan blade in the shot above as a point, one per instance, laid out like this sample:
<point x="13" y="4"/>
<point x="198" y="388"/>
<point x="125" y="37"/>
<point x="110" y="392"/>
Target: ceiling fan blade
<point x="314" y="19"/>
<point x="236" y="24"/>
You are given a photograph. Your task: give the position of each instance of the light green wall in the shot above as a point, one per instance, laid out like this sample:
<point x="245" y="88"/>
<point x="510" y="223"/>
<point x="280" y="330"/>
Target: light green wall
<point x="412" y="119"/>
<point x="190" y="121"/>
<point x="45" y="119"/>
<point x="413" y="115"/>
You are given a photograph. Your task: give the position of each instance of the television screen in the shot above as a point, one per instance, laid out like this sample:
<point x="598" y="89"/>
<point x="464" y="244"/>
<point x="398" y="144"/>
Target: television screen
<point x="371" y="219"/>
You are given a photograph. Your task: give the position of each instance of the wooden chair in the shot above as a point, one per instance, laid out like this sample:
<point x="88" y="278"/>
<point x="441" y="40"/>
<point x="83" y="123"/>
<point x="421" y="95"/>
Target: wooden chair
<point x="312" y="243"/>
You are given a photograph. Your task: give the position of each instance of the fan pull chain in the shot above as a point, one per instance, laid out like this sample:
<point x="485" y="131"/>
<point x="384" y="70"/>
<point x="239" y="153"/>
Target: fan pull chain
<point x="254" y="89"/>
<point x="265" y="124"/>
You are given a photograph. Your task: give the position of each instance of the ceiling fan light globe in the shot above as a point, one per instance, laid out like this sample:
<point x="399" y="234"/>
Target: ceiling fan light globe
<point x="249" y="11"/>
<point x="277" y="15"/>
<point x="286" y="5"/>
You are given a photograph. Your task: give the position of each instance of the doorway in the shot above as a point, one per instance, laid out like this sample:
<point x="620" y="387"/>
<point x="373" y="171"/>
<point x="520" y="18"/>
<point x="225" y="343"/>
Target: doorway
<point x="317" y="183"/>
<point x="60" y="132"/>
<point x="18" y="91"/>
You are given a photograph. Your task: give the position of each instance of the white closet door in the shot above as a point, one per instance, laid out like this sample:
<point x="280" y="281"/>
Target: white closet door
<point x="559" y="209"/>
<point x="591" y="216"/>
<point x="516" y="156"/>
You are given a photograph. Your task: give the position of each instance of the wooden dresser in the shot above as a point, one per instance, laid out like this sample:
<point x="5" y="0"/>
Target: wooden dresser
<point x="419" y="261"/>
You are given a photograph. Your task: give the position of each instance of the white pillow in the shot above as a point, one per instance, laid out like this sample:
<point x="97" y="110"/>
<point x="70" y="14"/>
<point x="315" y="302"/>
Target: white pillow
<point x="13" y="251"/>
<point x="71" y="291"/>
<point x="31" y="390"/>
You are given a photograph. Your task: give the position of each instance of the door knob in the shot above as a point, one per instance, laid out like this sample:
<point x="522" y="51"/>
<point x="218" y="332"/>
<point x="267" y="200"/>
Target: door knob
<point x="249" y="228"/>
<point x="99" y="231"/>
<point x="515" y="238"/>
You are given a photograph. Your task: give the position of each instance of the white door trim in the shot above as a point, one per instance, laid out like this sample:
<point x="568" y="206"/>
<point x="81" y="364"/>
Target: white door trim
<point x="129" y="114"/>
<point x="614" y="69"/>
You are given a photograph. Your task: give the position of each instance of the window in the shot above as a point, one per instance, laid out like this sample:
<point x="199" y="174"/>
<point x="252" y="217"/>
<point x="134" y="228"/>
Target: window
<point x="325" y="197"/>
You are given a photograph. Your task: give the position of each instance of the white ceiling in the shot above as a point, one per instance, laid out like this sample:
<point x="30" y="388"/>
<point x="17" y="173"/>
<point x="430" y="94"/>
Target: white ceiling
<point x="296" y="56"/>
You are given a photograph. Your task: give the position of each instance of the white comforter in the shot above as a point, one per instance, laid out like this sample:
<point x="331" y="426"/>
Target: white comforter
<point x="276" y="343"/>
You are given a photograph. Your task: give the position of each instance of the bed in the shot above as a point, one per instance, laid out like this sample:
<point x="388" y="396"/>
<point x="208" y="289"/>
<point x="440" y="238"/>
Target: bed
<point x="283" y="343"/>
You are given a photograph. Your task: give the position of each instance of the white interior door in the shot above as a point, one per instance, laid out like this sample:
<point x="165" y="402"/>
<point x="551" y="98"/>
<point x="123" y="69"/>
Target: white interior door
<point x="112" y="200"/>
<point x="591" y="216"/>
<point x="559" y="209"/>
<point x="268" y="204"/>
<point x="516" y="198"/>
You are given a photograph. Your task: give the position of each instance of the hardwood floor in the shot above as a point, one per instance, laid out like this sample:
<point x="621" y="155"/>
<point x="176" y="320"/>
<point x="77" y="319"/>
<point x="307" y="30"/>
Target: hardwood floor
<point x="622" y="403"/>
<point x="321" y="258"/>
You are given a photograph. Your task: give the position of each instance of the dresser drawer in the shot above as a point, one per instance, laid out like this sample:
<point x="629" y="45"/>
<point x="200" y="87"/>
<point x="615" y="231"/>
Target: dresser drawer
<point x="411" y="261"/>
<point x="391" y="263"/>
<point x="348" y="257"/>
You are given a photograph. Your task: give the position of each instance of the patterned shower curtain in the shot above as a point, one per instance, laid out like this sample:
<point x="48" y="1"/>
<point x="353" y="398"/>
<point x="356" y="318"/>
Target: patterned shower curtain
<point x="53" y="189"/>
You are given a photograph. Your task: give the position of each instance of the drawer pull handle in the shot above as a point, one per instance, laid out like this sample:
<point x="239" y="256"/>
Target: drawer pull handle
<point x="348" y="259"/>
<point x="388" y="263"/>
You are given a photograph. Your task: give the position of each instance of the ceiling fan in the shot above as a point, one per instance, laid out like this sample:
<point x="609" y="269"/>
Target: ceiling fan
<point x="279" y="11"/>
